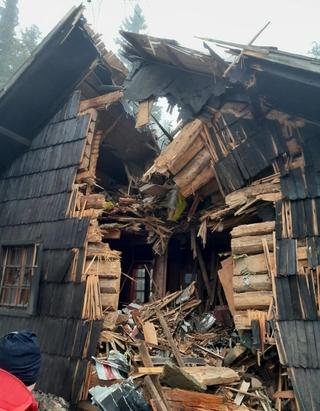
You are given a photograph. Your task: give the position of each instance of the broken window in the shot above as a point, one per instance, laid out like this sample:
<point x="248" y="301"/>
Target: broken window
<point x="19" y="277"/>
<point x="141" y="286"/>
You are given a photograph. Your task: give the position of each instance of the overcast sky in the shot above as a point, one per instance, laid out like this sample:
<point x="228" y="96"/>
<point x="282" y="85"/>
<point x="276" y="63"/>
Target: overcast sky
<point x="294" y="23"/>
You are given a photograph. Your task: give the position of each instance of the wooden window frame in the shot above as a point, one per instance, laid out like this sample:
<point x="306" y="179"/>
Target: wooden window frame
<point x="137" y="265"/>
<point x="31" y="309"/>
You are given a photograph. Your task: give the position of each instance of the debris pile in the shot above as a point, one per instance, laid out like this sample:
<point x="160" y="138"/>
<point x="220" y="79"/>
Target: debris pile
<point x="50" y="402"/>
<point x="171" y="354"/>
<point x="135" y="214"/>
<point x="140" y="212"/>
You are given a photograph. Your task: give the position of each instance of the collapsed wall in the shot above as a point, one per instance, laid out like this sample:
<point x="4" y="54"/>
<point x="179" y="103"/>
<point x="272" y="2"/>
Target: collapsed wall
<point x="102" y="268"/>
<point x="271" y="278"/>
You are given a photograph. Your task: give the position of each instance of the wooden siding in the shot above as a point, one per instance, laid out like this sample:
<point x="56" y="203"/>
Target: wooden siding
<point x="34" y="195"/>
<point x="298" y="221"/>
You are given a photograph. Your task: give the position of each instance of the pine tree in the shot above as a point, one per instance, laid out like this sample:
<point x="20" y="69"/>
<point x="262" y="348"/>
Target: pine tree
<point x="135" y="23"/>
<point x="315" y="50"/>
<point x="8" y="42"/>
<point x="30" y="38"/>
<point x="14" y="50"/>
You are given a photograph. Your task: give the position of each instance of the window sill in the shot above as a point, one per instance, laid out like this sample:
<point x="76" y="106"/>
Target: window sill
<point x="14" y="312"/>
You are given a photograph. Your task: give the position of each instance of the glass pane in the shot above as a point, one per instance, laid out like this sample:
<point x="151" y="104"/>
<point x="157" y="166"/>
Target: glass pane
<point x="24" y="297"/>
<point x="14" y="256"/>
<point x="8" y="295"/>
<point x="29" y="255"/>
<point x="141" y="273"/>
<point x="140" y="296"/>
<point x="27" y="277"/>
<point x="17" y="264"/>
<point x="11" y="276"/>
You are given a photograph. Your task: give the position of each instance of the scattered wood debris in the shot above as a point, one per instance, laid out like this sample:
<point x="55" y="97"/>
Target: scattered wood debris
<point x="182" y="364"/>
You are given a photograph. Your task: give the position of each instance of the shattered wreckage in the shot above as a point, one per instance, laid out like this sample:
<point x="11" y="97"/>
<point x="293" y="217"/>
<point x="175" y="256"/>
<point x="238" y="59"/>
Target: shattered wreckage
<point x="186" y="279"/>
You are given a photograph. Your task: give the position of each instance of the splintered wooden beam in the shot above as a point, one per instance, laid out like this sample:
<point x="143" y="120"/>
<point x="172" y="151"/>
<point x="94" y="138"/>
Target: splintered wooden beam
<point x="226" y="279"/>
<point x="143" y="114"/>
<point x="240" y="395"/>
<point x="259" y="189"/>
<point x="101" y="102"/>
<point x="159" y="403"/>
<point x="14" y="136"/>
<point x="288" y="394"/>
<point x="183" y="399"/>
<point x="169" y="337"/>
<point x="181" y="150"/>
<point x="266" y="227"/>
<point x="150" y="333"/>
<point x="152" y="383"/>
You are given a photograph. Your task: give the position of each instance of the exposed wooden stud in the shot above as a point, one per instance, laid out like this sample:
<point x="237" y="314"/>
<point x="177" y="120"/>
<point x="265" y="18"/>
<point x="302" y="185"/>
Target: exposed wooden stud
<point x="101" y="102"/>
<point x="143" y="114"/>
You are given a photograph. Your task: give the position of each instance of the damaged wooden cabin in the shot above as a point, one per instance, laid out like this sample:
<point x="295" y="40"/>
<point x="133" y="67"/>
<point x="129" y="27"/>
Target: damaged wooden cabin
<point x="231" y="203"/>
<point x="64" y="135"/>
<point x="245" y="159"/>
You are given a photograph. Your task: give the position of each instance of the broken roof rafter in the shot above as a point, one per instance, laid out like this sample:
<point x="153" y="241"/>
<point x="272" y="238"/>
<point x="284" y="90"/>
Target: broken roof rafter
<point x="169" y="52"/>
<point x="271" y="54"/>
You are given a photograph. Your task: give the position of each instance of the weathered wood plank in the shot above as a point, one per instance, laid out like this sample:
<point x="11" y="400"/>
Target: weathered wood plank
<point x="252" y="300"/>
<point x="195" y="167"/>
<point x="255" y="264"/>
<point x="208" y="375"/>
<point x="181" y="150"/>
<point x="169" y="337"/>
<point x="149" y="332"/>
<point x="155" y="394"/>
<point x="178" y="377"/>
<point x="143" y="114"/>
<point x="194" y="401"/>
<point x="259" y="282"/>
<point x="266" y="227"/>
<point x="242" y="195"/>
<point x="153" y="381"/>
<point x="250" y="244"/>
<point x="101" y="101"/>
<point x="198" y="182"/>
<point x="226" y="279"/>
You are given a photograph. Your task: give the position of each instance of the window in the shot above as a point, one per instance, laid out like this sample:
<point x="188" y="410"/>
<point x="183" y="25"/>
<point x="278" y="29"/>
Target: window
<point x="19" y="277"/>
<point x="141" y="285"/>
<point x="141" y="288"/>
